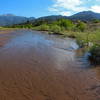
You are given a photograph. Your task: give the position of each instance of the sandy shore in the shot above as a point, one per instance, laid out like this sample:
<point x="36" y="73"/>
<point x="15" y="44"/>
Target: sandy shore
<point x="4" y="35"/>
<point x="35" y="67"/>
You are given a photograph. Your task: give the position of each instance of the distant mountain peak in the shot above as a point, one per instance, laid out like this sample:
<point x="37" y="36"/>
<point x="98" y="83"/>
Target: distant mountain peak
<point x="8" y="14"/>
<point x="11" y="19"/>
<point x="85" y="16"/>
<point x="87" y="11"/>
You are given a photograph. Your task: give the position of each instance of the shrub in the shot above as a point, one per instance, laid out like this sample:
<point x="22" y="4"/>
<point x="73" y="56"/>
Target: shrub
<point x="43" y="27"/>
<point x="95" y="54"/>
<point x="96" y="21"/>
<point x="81" y="26"/>
<point x="55" y="29"/>
<point x="65" y="24"/>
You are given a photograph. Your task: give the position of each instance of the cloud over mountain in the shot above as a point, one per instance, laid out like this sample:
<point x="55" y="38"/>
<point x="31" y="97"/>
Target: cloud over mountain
<point x="69" y="7"/>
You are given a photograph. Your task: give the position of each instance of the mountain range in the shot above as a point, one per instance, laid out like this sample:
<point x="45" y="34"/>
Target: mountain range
<point x="83" y="16"/>
<point x="10" y="19"/>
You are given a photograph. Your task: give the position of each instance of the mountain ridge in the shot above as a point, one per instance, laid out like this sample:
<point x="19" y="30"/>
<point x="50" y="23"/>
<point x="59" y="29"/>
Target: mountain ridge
<point x="85" y="16"/>
<point x="10" y="19"/>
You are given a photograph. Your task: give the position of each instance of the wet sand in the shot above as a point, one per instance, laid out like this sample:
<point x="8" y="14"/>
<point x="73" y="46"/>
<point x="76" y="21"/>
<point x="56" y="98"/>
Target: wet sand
<point x="35" y="66"/>
<point x="4" y="35"/>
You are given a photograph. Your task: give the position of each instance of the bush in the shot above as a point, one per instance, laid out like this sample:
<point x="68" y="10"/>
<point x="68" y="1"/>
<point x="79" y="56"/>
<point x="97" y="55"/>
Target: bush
<point x="96" y="21"/>
<point x="81" y="26"/>
<point x="95" y="54"/>
<point x="43" y="27"/>
<point x="65" y="24"/>
<point x="55" y="29"/>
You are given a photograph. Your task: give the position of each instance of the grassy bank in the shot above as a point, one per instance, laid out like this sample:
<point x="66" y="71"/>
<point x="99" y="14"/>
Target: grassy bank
<point x="7" y="28"/>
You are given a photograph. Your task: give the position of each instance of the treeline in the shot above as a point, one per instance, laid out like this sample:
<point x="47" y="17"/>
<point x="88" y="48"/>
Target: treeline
<point x="59" y="25"/>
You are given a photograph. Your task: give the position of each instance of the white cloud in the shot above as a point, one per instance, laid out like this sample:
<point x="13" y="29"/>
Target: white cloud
<point x="68" y="7"/>
<point x="68" y="4"/>
<point x="95" y="8"/>
<point x="65" y="13"/>
<point x="58" y="11"/>
<point x="65" y="7"/>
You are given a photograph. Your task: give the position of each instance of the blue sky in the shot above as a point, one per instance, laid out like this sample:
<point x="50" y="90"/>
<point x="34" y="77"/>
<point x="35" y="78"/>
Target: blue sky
<point x="39" y="8"/>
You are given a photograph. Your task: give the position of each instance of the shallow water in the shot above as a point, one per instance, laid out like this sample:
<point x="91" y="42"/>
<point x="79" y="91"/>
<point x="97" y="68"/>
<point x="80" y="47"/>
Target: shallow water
<point x="37" y="66"/>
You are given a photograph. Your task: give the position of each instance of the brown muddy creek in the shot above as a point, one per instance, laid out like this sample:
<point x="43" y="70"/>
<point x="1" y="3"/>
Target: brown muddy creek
<point x="37" y="66"/>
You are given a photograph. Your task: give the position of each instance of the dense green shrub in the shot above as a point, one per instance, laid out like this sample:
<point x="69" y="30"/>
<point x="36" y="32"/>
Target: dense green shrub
<point x="43" y="27"/>
<point x="96" y="21"/>
<point x="55" y="29"/>
<point x="95" y="54"/>
<point x="65" y="24"/>
<point x="81" y="26"/>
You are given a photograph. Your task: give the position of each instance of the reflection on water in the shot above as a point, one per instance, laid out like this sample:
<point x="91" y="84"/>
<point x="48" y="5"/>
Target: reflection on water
<point x="42" y="43"/>
<point x="82" y="56"/>
<point x="36" y="39"/>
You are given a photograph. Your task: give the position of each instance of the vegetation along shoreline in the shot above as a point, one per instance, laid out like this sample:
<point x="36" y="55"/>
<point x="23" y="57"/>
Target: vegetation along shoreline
<point x="86" y="33"/>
